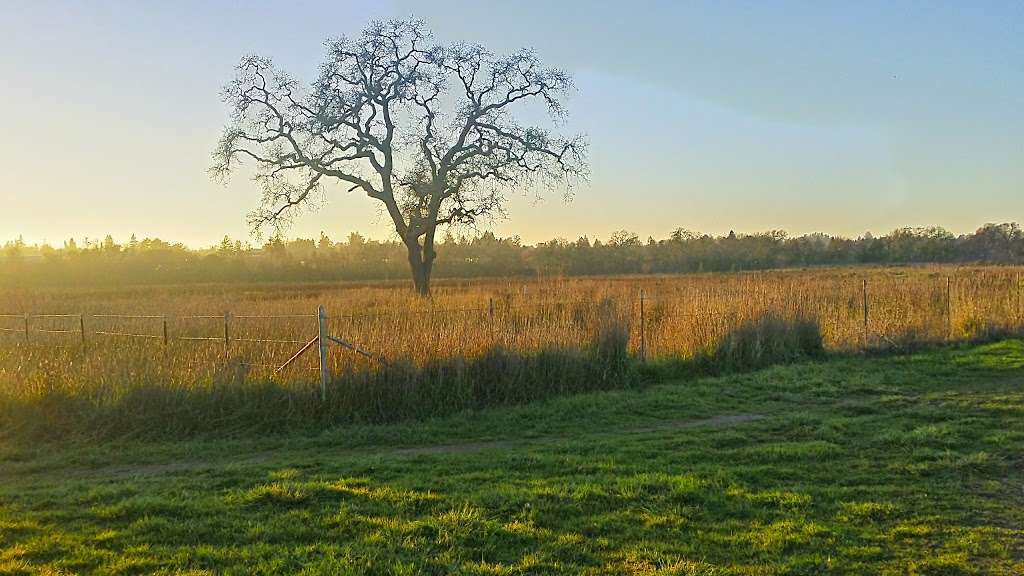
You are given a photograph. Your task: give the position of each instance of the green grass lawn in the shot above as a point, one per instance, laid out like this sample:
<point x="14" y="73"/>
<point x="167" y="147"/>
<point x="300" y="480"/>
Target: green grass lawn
<point x="899" y="465"/>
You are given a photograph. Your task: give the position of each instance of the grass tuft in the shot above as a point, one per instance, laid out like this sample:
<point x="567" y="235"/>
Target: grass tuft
<point x="767" y="340"/>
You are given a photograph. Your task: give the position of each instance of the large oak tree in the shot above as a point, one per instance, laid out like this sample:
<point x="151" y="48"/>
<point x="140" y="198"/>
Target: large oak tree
<point x="430" y="131"/>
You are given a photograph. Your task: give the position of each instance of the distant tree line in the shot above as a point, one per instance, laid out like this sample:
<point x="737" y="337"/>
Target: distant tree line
<point x="154" y="261"/>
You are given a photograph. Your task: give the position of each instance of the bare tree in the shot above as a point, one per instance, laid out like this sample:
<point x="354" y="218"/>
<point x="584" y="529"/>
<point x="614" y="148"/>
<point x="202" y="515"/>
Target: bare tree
<point x="428" y="130"/>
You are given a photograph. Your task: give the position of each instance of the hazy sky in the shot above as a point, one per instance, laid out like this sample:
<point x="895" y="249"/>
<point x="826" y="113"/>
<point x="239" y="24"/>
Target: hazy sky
<point x="807" y="116"/>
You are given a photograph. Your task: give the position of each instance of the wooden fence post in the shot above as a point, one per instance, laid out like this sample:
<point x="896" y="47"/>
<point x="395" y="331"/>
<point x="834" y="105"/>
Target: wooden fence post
<point x="864" y="293"/>
<point x="643" y="329"/>
<point x="27" y="338"/>
<point x="949" y="307"/>
<point x="322" y="333"/>
<point x="1019" y="319"/>
<point x="227" y="336"/>
<point x="81" y="328"/>
<point x="490" y="307"/>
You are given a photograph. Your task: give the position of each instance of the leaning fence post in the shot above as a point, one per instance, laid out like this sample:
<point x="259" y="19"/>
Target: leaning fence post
<point x="81" y="328"/>
<point x="27" y="338"/>
<point x="323" y="342"/>
<point x="643" y="329"/>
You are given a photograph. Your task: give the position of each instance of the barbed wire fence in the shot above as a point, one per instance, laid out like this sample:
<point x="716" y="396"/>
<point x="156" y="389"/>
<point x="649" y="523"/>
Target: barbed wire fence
<point x="77" y="326"/>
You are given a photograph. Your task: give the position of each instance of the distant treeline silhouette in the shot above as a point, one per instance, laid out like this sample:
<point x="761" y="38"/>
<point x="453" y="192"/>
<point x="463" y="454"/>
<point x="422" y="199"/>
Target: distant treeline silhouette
<point x="154" y="261"/>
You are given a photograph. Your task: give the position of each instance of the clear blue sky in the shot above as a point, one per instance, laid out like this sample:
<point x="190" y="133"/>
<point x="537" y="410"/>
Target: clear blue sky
<point x="807" y="116"/>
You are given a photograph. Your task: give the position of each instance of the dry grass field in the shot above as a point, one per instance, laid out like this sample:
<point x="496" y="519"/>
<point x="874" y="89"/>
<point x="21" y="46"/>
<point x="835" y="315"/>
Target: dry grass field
<point x="683" y="317"/>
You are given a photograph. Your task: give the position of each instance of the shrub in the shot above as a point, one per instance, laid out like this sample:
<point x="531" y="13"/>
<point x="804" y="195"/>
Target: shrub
<point x="769" y="339"/>
<point x="611" y="340"/>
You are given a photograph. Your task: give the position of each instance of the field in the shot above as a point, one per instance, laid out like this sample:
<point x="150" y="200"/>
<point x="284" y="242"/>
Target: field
<point x="180" y="360"/>
<point x="906" y="464"/>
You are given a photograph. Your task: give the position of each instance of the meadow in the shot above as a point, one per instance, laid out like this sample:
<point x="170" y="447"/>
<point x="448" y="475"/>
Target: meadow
<point x="899" y="464"/>
<point x="178" y="360"/>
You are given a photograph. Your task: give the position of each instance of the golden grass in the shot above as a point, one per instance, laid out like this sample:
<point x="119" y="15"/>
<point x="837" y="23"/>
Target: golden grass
<point x="684" y="316"/>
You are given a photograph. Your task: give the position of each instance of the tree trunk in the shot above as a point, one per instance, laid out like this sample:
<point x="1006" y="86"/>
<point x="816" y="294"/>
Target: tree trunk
<point x="420" y="264"/>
